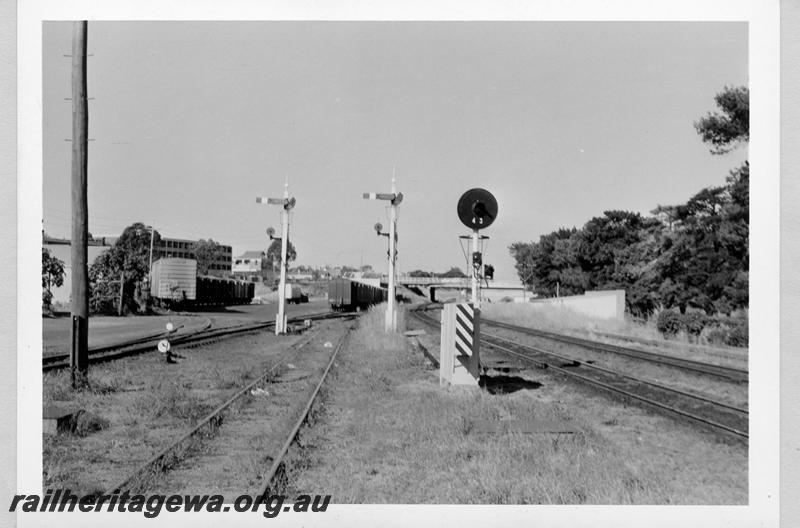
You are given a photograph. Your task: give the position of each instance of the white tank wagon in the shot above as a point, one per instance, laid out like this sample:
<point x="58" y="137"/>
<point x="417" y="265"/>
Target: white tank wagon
<point x="174" y="279"/>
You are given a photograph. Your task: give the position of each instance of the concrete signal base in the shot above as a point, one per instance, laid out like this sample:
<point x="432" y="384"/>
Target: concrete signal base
<point x="459" y="360"/>
<point x="460" y="377"/>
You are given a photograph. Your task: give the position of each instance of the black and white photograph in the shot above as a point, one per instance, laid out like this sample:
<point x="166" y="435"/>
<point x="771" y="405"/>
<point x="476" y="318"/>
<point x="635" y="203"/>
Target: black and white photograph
<point x="470" y="268"/>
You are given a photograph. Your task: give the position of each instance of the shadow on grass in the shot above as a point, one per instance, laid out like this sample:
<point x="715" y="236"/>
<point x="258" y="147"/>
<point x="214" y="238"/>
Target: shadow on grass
<point x="506" y="384"/>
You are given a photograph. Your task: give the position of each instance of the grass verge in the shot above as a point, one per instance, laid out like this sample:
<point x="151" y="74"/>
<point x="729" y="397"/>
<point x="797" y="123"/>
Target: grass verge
<point x="387" y="433"/>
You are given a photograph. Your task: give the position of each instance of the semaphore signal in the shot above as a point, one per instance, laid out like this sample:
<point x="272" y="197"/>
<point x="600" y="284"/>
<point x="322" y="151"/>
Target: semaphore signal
<point x="287" y="204"/>
<point x="394" y="198"/>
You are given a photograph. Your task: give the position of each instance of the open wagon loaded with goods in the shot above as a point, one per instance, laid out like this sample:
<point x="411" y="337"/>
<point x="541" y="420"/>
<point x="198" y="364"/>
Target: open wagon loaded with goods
<point x="174" y="282"/>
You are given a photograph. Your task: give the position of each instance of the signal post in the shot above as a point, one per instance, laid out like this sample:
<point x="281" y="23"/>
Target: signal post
<point x="394" y="198"/>
<point x="288" y="204"/>
<point x="460" y="335"/>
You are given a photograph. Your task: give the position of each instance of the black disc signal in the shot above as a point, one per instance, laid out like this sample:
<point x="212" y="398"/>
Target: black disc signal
<point x="477" y="208"/>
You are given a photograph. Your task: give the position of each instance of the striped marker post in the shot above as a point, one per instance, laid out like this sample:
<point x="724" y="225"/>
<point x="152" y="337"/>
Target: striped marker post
<point x="460" y="345"/>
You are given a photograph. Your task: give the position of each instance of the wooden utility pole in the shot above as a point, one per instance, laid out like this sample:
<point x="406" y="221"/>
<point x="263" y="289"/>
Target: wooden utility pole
<point x="79" y="352"/>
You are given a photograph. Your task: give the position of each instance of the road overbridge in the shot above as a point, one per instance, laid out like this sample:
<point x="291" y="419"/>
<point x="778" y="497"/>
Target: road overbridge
<point x="419" y="285"/>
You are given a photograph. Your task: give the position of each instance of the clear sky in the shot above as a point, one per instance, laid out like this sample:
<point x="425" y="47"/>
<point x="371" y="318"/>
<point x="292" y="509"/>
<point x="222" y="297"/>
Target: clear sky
<point x="559" y="120"/>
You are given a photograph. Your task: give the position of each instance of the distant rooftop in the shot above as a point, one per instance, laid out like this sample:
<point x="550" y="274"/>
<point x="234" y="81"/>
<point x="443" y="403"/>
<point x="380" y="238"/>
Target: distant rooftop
<point x="97" y="241"/>
<point x="252" y="254"/>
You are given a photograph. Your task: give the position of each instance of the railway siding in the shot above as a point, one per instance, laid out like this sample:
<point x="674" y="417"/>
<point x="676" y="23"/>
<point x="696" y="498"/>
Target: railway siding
<point x="147" y="404"/>
<point x="728" y="372"/>
<point x="250" y="436"/>
<point x="718" y="388"/>
<point x="704" y="408"/>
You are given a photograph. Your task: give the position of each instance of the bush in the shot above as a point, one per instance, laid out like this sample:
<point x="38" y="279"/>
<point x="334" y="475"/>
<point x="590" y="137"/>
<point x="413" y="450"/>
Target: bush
<point x="47" y="300"/>
<point x="717" y="335"/>
<point x="694" y="323"/>
<point x="729" y="331"/>
<point x="669" y="323"/>
<point x="103" y="298"/>
<point x="739" y="335"/>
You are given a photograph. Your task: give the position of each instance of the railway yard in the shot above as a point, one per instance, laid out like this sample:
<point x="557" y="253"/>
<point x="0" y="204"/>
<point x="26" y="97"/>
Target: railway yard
<point x="589" y="353"/>
<point x="339" y="407"/>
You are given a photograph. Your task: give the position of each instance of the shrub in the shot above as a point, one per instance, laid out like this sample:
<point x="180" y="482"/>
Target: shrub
<point x="669" y="323"/>
<point x="717" y="335"/>
<point x="694" y="322"/>
<point x="104" y="297"/>
<point x="729" y="331"/>
<point x="47" y="300"/>
<point x="739" y="334"/>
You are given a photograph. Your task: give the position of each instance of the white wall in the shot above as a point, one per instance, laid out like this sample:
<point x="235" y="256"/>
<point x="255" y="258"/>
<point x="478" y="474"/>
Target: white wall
<point x="64" y="253"/>
<point x="253" y="265"/>
<point x="608" y="304"/>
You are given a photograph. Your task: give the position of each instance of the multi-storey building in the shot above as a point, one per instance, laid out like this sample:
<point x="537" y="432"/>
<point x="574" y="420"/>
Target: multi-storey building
<point x="183" y="248"/>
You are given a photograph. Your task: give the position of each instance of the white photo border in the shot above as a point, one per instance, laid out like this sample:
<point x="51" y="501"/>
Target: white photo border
<point x="763" y="21"/>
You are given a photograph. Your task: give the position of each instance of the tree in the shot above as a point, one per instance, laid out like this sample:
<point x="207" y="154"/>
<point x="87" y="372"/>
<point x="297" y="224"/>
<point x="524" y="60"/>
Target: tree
<point x="666" y="214"/>
<point x="274" y="252"/>
<point x="706" y="257"/>
<point x="551" y="264"/>
<point x="694" y="254"/>
<point x="207" y="252"/>
<point x="454" y="272"/>
<point x="52" y="275"/>
<point x="600" y="240"/>
<point x="128" y="260"/>
<point x="727" y="130"/>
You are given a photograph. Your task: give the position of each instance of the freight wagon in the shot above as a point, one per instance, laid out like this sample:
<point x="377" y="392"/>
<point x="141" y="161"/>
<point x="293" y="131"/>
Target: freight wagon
<point x="174" y="281"/>
<point x="346" y="294"/>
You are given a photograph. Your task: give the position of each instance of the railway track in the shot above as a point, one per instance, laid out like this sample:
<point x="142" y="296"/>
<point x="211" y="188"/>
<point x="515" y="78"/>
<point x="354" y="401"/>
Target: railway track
<point x="147" y="344"/>
<point x="730" y="373"/>
<point x="734" y="354"/>
<point x="276" y="470"/>
<point x="143" y="476"/>
<point x="696" y="408"/>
